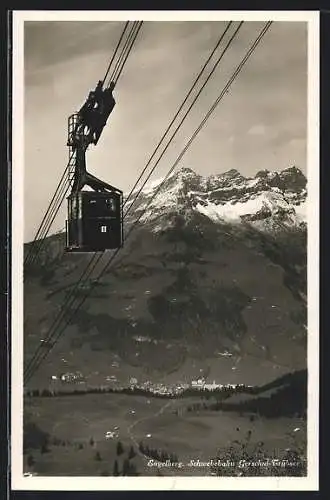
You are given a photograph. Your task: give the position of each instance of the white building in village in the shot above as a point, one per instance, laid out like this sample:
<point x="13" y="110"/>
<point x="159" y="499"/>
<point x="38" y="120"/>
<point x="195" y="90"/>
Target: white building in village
<point x="199" y="383"/>
<point x="202" y="385"/>
<point x="213" y="386"/>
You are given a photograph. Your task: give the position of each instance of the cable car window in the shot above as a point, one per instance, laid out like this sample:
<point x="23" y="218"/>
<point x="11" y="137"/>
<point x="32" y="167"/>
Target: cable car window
<point x="111" y="205"/>
<point x="74" y="207"/>
<point x="80" y="208"/>
<point x="103" y="229"/>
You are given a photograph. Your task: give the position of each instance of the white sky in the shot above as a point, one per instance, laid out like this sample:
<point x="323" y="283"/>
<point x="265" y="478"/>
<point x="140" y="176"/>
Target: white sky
<point x="261" y="122"/>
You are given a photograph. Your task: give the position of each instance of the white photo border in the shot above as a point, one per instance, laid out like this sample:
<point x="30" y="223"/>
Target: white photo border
<point x="18" y="481"/>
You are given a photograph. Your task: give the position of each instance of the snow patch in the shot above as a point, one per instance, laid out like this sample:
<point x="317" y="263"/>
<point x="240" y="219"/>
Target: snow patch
<point x="270" y="201"/>
<point x="151" y="185"/>
<point x="234" y="211"/>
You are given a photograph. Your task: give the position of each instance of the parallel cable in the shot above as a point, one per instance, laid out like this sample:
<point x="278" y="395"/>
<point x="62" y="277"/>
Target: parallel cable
<point x="123" y="51"/>
<point x="52" y="214"/>
<point x="216" y="64"/>
<point x="115" y="52"/>
<point x="40" y="231"/>
<point x="181" y="106"/>
<point x="223" y="92"/>
<point x="229" y="83"/>
<point x="49" y="221"/>
<point x="68" y="302"/>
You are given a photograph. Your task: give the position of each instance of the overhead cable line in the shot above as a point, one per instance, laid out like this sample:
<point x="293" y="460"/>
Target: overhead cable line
<point x="115" y="52"/>
<point x="123" y="51"/>
<point x="216" y="64"/>
<point x="41" y="229"/>
<point x="40" y="244"/>
<point x="120" y="69"/>
<point x="208" y="114"/>
<point x="180" y="108"/>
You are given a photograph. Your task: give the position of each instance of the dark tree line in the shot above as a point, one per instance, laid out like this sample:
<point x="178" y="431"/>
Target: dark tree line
<point x="288" y="399"/>
<point x="136" y="391"/>
<point x="223" y="392"/>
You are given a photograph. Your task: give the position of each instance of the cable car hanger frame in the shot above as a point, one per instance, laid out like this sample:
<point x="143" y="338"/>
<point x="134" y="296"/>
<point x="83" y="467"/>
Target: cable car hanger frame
<point x="95" y="218"/>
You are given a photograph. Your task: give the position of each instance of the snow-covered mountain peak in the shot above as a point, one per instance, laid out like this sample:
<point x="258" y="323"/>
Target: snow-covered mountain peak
<point x="267" y="197"/>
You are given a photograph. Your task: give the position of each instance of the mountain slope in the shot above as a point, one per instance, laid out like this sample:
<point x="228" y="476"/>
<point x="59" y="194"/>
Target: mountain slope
<point x="214" y="264"/>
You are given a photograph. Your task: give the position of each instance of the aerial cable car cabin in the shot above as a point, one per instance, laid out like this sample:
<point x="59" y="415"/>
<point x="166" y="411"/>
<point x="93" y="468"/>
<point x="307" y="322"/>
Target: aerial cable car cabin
<point x="95" y="217"/>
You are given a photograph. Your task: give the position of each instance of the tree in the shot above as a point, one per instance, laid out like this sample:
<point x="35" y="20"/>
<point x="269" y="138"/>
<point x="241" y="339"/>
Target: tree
<point x="115" y="469"/>
<point x="129" y="469"/>
<point x="44" y="448"/>
<point x="30" y="460"/>
<point x="120" y="448"/>
<point x="131" y="453"/>
<point x="98" y="457"/>
<point x="126" y="467"/>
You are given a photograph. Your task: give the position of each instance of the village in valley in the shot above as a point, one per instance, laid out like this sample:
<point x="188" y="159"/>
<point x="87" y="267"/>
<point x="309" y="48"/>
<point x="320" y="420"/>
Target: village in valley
<point x="112" y="383"/>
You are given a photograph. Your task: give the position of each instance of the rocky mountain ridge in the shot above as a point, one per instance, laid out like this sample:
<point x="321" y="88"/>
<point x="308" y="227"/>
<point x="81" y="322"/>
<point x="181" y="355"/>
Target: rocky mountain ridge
<point x="269" y="200"/>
